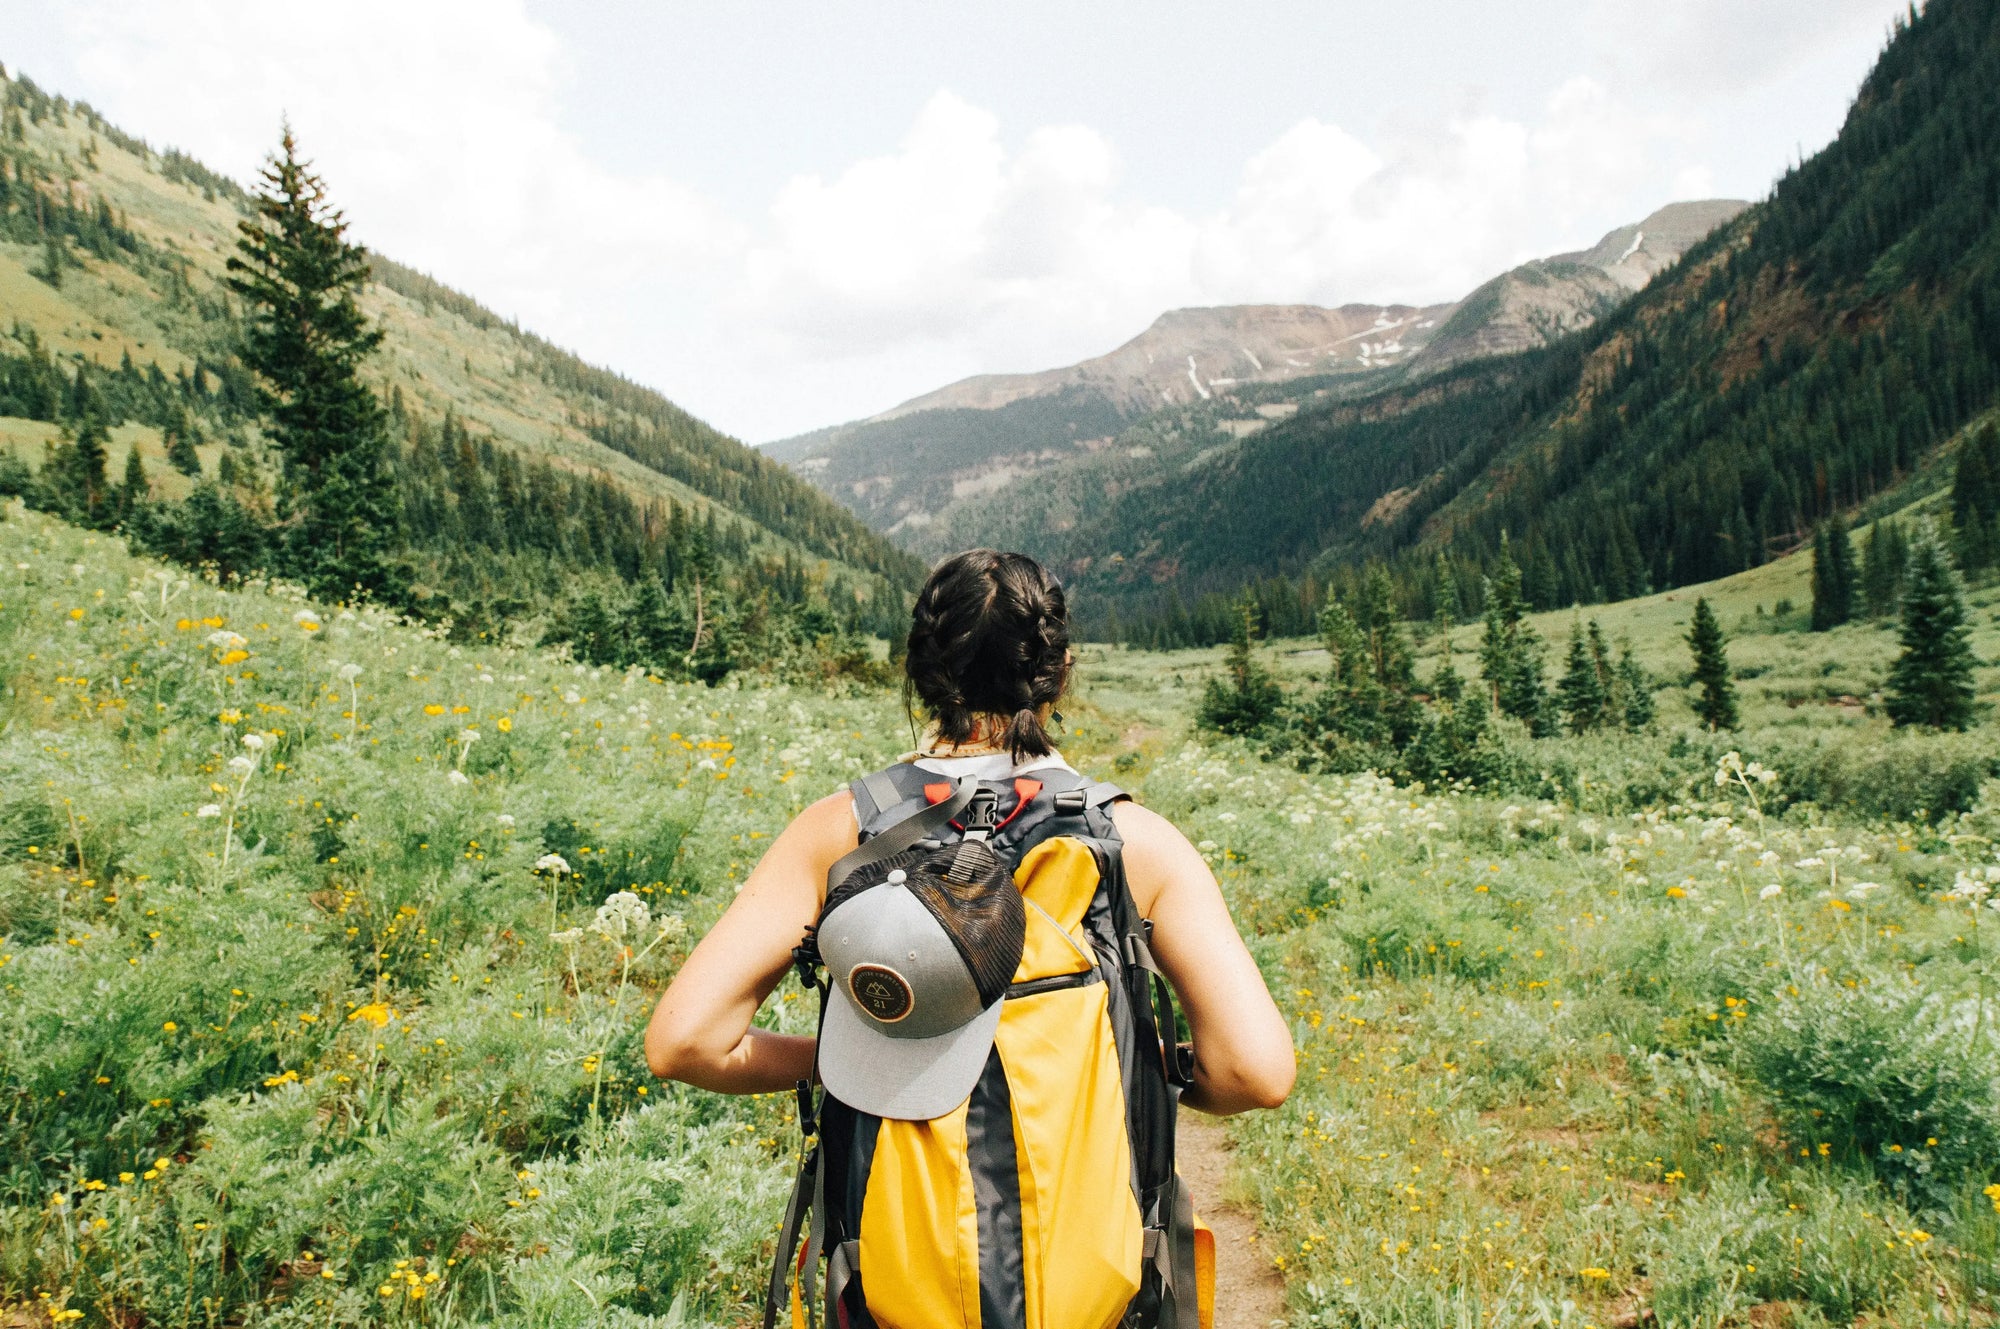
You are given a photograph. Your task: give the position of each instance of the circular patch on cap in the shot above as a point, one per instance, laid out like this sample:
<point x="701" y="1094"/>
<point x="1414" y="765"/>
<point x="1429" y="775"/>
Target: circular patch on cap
<point x="882" y="992"/>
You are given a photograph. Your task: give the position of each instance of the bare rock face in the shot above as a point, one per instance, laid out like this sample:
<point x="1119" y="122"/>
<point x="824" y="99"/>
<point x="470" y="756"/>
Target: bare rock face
<point x="1189" y="355"/>
<point x="906" y="470"/>
<point x="1548" y="297"/>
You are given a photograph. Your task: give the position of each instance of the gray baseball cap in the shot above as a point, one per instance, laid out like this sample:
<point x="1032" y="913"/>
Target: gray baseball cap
<point x="909" y="1030"/>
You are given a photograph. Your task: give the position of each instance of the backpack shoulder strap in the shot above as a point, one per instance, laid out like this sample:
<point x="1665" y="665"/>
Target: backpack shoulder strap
<point x="893" y="839"/>
<point x="880" y="798"/>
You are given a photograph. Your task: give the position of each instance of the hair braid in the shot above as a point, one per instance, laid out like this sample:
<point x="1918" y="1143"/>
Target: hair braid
<point x="989" y="636"/>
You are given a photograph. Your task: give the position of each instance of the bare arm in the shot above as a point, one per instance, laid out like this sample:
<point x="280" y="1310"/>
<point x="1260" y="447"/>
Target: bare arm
<point x="1243" y="1049"/>
<point x="700" y="1032"/>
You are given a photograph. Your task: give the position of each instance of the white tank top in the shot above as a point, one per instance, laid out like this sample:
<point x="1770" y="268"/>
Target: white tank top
<point x="996" y="766"/>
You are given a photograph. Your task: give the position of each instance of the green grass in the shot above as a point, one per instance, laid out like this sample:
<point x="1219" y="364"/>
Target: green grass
<point x="285" y="1063"/>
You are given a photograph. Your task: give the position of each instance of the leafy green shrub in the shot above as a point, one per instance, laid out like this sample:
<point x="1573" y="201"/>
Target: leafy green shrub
<point x="1823" y="1242"/>
<point x="1904" y="776"/>
<point x="1887" y="1076"/>
<point x="1405" y="934"/>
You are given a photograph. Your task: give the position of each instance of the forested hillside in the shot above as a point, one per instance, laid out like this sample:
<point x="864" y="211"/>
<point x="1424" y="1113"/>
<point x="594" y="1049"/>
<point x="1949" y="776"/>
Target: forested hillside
<point x="1002" y="458"/>
<point x="535" y="491"/>
<point x="1806" y="357"/>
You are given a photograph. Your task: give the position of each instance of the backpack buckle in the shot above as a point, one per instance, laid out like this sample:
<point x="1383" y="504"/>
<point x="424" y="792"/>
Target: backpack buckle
<point x="982" y="818"/>
<point x="1070" y="802"/>
<point x="806" y="960"/>
<point x="808" y="1114"/>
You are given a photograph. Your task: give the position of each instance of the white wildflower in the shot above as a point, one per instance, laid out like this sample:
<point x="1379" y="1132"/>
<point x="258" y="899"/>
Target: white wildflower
<point x="209" y="810"/>
<point x="468" y="735"/>
<point x="672" y="927"/>
<point x="242" y="766"/>
<point x="567" y="937"/>
<point x="225" y="640"/>
<point x="506" y="821"/>
<point x="458" y="777"/>
<point x="555" y="863"/>
<point x="255" y="742"/>
<point x="1861" y="889"/>
<point x="623" y="913"/>
<point x="572" y="698"/>
<point x="1771" y="892"/>
<point x="350" y="672"/>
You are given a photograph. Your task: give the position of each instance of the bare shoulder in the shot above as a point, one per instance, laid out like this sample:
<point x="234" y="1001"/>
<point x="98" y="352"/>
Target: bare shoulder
<point x="1138" y="825"/>
<point x="1158" y="857"/>
<point x="824" y="829"/>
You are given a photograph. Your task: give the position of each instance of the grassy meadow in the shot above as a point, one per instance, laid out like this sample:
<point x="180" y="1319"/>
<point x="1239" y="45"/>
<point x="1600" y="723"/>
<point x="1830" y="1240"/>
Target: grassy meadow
<point x="323" y="1003"/>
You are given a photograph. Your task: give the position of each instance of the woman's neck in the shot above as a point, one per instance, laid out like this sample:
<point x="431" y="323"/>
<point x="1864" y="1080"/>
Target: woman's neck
<point x="982" y="741"/>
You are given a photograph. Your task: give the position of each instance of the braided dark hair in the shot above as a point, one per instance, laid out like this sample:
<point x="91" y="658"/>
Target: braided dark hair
<point x="989" y="636"/>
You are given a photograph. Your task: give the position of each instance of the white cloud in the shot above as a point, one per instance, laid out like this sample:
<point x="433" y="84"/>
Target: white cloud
<point x="972" y="244"/>
<point x="436" y="126"/>
<point x="1713" y="47"/>
<point x="953" y="247"/>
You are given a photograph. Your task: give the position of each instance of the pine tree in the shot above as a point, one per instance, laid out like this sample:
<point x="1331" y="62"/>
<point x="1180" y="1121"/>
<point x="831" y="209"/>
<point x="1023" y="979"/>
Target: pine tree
<point x="135" y="489"/>
<point x="1444" y="591"/>
<point x="306" y="340"/>
<point x="180" y="446"/>
<point x="51" y="270"/>
<point x="1833" y="576"/>
<point x="1717" y="704"/>
<point x="1635" y="691"/>
<point x="1446" y="683"/>
<point x="1246" y="697"/>
<point x="1390" y="657"/>
<point x="1510" y="652"/>
<point x="1975" y="487"/>
<point x="1882" y="567"/>
<point x="1582" y="692"/>
<point x="1975" y="543"/>
<point x="1931" y="683"/>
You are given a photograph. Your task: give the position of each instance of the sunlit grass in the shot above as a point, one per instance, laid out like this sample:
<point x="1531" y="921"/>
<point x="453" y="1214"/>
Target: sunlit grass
<point x="342" y="1024"/>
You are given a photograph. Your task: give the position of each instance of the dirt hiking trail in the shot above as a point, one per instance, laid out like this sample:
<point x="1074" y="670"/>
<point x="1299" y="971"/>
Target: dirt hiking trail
<point x="1248" y="1292"/>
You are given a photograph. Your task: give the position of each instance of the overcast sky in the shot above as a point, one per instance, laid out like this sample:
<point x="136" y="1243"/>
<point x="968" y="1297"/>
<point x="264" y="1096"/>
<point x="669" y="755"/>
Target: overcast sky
<point x="790" y="213"/>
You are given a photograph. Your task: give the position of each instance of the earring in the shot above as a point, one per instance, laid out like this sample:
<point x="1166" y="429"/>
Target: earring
<point x="1056" y="716"/>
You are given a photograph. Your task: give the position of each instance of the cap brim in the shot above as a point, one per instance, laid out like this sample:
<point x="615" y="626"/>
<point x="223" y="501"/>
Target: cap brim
<point x="905" y="1079"/>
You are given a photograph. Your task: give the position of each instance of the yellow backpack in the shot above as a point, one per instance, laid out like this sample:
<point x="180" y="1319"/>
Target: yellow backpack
<point x="1048" y="1199"/>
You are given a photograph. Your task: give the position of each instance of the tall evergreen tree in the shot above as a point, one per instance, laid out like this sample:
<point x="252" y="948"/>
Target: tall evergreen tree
<point x="51" y="270"/>
<point x="1635" y="691"/>
<point x="1882" y="567"/>
<point x="1246" y="697"/>
<point x="134" y="490"/>
<point x="1833" y="576"/>
<point x="1584" y="691"/>
<point x="1390" y="657"/>
<point x="1446" y="682"/>
<point x="306" y="340"/>
<point x="1931" y="682"/>
<point x="1975" y="484"/>
<point x="1510" y="651"/>
<point x="1717" y="704"/>
<point x="74" y="480"/>
<point x="179" y="438"/>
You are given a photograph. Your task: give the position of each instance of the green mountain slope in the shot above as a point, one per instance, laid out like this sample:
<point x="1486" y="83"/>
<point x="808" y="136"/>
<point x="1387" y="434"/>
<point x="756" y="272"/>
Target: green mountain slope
<point x="1000" y="458"/>
<point x="1805" y="357"/>
<point x="526" y="472"/>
